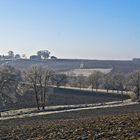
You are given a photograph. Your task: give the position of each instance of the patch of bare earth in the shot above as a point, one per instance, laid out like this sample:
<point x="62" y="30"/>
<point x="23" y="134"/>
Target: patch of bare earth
<point x="108" y="128"/>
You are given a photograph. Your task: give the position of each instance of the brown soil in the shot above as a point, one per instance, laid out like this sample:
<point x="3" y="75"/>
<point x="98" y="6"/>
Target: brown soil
<point x="105" y="124"/>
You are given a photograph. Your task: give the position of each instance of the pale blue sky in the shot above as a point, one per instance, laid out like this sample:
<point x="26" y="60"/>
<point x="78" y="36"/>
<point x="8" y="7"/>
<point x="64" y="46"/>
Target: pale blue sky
<point x="95" y="29"/>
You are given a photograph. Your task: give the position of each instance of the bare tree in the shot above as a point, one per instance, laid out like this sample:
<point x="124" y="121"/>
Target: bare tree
<point x="80" y="81"/>
<point x="95" y="79"/>
<point x="135" y="82"/>
<point x="11" y="54"/>
<point x="59" y="79"/>
<point x="71" y="79"/>
<point x="44" y="54"/>
<point x="9" y="78"/>
<point x="24" y="56"/>
<point x="119" y="82"/>
<point x="37" y="79"/>
<point x="107" y="82"/>
<point x="127" y="86"/>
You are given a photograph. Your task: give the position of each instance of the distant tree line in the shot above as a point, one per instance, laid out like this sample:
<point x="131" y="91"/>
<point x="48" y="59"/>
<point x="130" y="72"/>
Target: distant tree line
<point x="40" y="55"/>
<point x="37" y="79"/>
<point x="11" y="55"/>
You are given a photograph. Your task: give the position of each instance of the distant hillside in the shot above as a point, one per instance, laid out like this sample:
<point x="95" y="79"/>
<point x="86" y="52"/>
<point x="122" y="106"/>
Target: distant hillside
<point x="63" y="65"/>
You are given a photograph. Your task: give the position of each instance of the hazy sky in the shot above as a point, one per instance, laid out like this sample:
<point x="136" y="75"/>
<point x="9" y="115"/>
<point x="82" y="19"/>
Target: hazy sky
<point x="95" y="29"/>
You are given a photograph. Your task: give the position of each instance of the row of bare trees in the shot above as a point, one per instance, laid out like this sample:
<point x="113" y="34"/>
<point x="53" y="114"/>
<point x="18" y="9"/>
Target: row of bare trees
<point x="37" y="79"/>
<point x="114" y="82"/>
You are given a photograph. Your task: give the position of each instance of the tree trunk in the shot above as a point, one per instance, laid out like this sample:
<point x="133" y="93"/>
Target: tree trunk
<point x="96" y="89"/>
<point x="37" y="100"/>
<point x="57" y="85"/>
<point x="44" y="100"/>
<point x="43" y="107"/>
<point x="80" y="86"/>
<point x="138" y="92"/>
<point x="44" y="97"/>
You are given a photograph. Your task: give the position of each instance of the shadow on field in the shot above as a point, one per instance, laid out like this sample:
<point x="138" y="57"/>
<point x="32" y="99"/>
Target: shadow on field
<point x="73" y="96"/>
<point x="63" y="96"/>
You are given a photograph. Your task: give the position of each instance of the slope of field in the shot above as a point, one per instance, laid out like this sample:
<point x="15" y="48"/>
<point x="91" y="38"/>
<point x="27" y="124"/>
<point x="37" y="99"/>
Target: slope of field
<point x="60" y="127"/>
<point x="64" y="96"/>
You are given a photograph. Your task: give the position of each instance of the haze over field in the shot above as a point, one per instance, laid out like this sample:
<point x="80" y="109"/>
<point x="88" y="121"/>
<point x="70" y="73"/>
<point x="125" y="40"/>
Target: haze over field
<point x="104" y="29"/>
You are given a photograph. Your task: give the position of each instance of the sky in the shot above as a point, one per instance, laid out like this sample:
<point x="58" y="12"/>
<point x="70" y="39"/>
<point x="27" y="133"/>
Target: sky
<point x="88" y="29"/>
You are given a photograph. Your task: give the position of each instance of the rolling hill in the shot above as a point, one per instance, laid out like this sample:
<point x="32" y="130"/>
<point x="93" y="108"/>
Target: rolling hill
<point x="64" y="65"/>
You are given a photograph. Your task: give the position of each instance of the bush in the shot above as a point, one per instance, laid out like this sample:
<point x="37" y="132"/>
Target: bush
<point x="134" y="98"/>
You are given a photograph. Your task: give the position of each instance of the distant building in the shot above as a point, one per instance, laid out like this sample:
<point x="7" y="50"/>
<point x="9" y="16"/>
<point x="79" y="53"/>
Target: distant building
<point x="17" y="56"/>
<point x="136" y="59"/>
<point x="81" y="65"/>
<point x="35" y="57"/>
<point x="53" y="57"/>
<point x="5" y="57"/>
